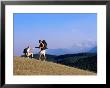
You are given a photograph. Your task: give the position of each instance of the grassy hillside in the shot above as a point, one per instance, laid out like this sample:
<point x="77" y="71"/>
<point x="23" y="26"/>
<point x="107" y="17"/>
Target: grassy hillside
<point x="25" y="66"/>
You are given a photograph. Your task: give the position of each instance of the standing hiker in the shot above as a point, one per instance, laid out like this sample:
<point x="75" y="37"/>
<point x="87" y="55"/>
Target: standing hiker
<point x="42" y="47"/>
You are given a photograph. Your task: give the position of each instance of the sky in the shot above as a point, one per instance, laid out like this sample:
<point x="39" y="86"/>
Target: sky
<point x="60" y="30"/>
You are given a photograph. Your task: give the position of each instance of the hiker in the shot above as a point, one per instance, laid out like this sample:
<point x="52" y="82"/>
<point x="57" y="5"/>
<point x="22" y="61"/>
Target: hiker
<point x="42" y="46"/>
<point x="29" y="52"/>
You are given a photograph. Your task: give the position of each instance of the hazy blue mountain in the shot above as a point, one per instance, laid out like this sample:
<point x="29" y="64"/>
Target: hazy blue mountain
<point x="71" y="50"/>
<point x="81" y="47"/>
<point x="58" y="51"/>
<point x="93" y="50"/>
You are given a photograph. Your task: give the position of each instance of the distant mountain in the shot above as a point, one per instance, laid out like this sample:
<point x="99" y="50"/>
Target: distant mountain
<point x="93" y="50"/>
<point x="80" y="47"/>
<point x="72" y="50"/>
<point x="58" y="51"/>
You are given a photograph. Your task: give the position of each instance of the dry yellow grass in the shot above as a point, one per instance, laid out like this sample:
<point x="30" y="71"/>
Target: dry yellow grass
<point x="25" y="66"/>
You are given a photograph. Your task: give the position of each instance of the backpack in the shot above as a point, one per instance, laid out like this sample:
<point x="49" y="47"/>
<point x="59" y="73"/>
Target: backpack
<point x="45" y="45"/>
<point x="25" y="50"/>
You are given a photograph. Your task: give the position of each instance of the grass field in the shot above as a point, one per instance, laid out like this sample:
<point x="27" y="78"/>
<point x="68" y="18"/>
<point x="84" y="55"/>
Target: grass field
<point x="25" y="66"/>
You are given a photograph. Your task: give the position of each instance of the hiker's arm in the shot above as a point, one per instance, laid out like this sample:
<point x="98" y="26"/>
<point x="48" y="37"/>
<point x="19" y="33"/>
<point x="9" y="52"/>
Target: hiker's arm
<point x="37" y="47"/>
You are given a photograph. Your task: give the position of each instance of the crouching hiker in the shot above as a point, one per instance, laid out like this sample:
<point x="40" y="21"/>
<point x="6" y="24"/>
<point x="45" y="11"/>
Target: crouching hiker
<point x="28" y="53"/>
